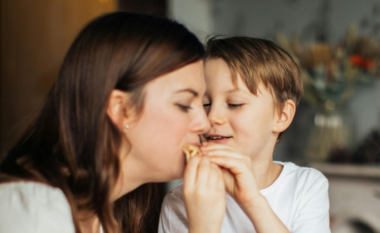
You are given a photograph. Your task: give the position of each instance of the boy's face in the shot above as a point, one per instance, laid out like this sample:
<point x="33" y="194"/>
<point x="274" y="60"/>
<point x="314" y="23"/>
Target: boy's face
<point x="238" y="118"/>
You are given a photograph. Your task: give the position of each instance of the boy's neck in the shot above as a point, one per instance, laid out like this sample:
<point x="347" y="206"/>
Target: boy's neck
<point x="266" y="172"/>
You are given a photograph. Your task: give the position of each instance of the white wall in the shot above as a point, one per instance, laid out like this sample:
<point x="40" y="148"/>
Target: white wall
<point x="195" y="14"/>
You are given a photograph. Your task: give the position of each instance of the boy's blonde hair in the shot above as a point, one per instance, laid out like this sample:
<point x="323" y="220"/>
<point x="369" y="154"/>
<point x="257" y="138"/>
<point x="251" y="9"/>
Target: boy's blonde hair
<point x="259" y="60"/>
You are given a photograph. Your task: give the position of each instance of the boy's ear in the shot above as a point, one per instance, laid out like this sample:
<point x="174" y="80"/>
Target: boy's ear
<point x="285" y="116"/>
<point x="117" y="109"/>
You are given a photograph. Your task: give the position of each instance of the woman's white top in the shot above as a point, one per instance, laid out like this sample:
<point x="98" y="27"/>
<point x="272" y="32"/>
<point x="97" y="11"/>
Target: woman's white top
<point x="30" y="207"/>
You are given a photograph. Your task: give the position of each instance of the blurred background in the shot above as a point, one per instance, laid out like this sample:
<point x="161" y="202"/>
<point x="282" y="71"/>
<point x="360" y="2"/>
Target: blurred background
<point x="335" y="43"/>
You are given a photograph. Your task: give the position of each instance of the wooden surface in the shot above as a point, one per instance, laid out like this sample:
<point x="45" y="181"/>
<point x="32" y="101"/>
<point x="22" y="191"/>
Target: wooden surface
<point x="35" y="36"/>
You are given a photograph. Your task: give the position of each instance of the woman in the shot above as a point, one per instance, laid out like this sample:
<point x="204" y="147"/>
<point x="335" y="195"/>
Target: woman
<point x="127" y="99"/>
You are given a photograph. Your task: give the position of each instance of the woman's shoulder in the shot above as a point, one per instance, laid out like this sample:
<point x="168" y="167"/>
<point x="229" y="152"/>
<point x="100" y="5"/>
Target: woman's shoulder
<point x="31" y="190"/>
<point x="23" y="193"/>
<point x="33" y="207"/>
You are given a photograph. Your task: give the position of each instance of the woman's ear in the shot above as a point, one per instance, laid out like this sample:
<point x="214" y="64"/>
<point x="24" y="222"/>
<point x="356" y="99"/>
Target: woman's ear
<point x="117" y="108"/>
<point x="285" y="116"/>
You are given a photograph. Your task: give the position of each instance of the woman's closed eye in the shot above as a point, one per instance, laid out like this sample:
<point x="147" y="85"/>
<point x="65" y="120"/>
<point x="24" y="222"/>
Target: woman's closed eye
<point x="184" y="107"/>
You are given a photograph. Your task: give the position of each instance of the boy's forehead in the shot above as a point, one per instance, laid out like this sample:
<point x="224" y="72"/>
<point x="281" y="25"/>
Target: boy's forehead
<point x="217" y="65"/>
<point x="224" y="85"/>
<point x="236" y="90"/>
<point x="220" y="78"/>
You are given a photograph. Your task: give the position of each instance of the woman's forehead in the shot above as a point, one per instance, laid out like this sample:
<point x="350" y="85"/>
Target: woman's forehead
<point x="189" y="78"/>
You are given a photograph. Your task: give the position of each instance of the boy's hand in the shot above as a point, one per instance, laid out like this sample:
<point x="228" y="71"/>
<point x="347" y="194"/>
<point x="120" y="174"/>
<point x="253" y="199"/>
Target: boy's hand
<point x="239" y="178"/>
<point x="241" y="184"/>
<point x="204" y="195"/>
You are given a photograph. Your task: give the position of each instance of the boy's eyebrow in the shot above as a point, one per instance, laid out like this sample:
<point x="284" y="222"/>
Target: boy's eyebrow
<point x="236" y="90"/>
<point x="195" y="94"/>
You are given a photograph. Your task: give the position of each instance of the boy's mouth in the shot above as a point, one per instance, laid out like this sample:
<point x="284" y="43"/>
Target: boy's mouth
<point x="218" y="138"/>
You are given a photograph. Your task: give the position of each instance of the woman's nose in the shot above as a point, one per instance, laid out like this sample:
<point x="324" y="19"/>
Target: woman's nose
<point x="201" y="123"/>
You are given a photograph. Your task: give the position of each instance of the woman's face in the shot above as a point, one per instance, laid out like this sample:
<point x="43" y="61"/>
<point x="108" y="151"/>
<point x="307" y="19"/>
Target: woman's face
<point x="172" y="117"/>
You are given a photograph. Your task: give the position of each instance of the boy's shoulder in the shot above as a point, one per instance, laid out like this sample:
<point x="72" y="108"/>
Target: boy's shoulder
<point x="290" y="169"/>
<point x="301" y="178"/>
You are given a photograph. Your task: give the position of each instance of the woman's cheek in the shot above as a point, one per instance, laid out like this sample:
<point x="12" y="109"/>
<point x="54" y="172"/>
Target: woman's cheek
<point x="173" y="133"/>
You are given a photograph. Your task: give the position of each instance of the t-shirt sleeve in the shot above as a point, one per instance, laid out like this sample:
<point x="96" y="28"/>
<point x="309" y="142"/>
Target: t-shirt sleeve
<point x="30" y="207"/>
<point x="173" y="218"/>
<point x="313" y="209"/>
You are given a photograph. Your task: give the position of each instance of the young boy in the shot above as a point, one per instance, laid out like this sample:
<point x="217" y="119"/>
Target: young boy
<point x="253" y="87"/>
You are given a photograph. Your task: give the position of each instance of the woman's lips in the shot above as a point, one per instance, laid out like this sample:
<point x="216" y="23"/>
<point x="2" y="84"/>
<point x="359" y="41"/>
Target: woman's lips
<point x="218" y="139"/>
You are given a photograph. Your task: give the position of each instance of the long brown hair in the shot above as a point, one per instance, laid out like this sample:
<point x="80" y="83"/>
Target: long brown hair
<point x="72" y="144"/>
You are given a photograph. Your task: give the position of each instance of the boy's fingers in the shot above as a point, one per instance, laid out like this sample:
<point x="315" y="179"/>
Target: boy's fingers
<point x="233" y="165"/>
<point x="213" y="146"/>
<point x="224" y="153"/>
<point x="228" y="177"/>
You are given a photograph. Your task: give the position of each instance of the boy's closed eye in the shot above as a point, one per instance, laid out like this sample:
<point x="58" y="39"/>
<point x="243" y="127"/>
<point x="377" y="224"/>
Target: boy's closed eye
<point x="230" y="105"/>
<point x="235" y="105"/>
<point x="206" y="105"/>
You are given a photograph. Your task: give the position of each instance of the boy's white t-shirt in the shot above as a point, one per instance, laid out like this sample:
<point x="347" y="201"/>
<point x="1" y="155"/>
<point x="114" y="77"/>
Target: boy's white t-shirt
<point x="299" y="197"/>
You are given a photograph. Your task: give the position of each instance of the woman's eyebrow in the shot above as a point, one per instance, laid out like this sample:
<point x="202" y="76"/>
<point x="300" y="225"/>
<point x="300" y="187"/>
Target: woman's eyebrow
<point x="187" y="90"/>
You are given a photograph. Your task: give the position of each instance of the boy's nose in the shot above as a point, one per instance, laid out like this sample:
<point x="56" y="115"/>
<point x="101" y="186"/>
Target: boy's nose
<point x="216" y="118"/>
